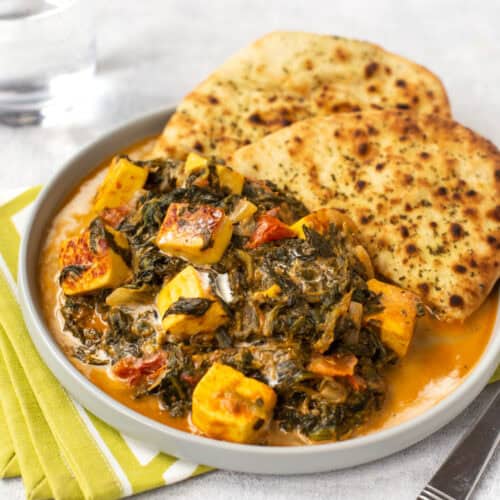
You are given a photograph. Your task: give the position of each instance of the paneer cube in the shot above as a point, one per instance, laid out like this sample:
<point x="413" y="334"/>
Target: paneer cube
<point x="321" y="219"/>
<point x="120" y="185"/>
<point x="228" y="178"/>
<point x="84" y="269"/>
<point x="229" y="406"/>
<point x="198" y="234"/>
<point x="188" y="284"/>
<point x="397" y="320"/>
<point x="195" y="162"/>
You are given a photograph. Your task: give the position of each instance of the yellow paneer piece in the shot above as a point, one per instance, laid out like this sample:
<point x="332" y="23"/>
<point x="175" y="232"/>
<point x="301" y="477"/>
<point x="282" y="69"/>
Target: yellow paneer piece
<point x="243" y="210"/>
<point x="229" y="406"/>
<point x="321" y="219"/>
<point x="194" y="162"/>
<point x="228" y="178"/>
<point x="397" y="320"/>
<point x="84" y="270"/>
<point x="188" y="284"/>
<point x="270" y="293"/>
<point x="198" y="234"/>
<point x="120" y="185"/>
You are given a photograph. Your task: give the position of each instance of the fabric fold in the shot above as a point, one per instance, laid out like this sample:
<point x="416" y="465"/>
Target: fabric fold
<point x="30" y="468"/>
<point x="9" y="466"/>
<point x="59" y="477"/>
<point x="60" y="450"/>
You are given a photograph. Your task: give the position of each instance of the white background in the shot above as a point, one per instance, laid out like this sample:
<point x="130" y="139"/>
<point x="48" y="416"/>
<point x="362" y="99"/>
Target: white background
<point x="151" y="52"/>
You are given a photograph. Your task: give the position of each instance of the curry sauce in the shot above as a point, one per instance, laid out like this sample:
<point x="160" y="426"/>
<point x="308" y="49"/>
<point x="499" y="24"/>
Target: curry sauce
<point x="439" y="357"/>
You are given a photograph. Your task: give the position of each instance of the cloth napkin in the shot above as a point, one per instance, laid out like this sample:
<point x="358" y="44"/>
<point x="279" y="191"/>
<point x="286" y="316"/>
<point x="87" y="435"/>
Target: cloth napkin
<point x="60" y="449"/>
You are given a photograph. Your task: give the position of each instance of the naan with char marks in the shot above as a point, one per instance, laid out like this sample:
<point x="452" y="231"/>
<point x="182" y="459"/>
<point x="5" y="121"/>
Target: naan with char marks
<point x="288" y="76"/>
<point x="424" y="191"/>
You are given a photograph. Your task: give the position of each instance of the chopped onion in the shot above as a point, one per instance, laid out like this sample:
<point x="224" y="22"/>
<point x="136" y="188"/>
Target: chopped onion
<point x="363" y="257"/>
<point x="224" y="288"/>
<point x="356" y="313"/>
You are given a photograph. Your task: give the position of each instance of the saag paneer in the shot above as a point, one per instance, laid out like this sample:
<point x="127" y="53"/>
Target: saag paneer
<point x="230" y="302"/>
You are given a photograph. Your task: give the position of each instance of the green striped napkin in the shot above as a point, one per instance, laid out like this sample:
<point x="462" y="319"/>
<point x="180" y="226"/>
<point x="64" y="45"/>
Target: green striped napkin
<point x="58" y="448"/>
<point x="61" y="450"/>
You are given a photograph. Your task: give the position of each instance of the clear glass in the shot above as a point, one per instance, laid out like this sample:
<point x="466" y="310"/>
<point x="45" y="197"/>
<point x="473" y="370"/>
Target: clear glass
<point x="47" y="56"/>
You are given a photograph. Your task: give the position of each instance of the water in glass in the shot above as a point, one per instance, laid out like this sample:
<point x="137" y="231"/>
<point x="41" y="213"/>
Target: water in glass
<point x="47" y="56"/>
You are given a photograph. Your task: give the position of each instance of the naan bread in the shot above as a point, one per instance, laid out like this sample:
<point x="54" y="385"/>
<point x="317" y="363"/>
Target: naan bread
<point x="285" y="77"/>
<point x="424" y="192"/>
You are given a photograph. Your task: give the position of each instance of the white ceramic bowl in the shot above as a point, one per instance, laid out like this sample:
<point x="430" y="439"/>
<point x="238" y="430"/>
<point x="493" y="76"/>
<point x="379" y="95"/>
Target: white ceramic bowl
<point x="246" y="458"/>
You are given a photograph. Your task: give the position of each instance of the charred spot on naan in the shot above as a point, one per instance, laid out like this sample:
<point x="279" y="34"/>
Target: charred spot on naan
<point x="286" y="77"/>
<point x="423" y="190"/>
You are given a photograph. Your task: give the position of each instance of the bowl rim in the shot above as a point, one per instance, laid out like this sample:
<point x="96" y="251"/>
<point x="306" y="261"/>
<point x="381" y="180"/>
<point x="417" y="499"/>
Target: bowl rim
<point x="104" y="405"/>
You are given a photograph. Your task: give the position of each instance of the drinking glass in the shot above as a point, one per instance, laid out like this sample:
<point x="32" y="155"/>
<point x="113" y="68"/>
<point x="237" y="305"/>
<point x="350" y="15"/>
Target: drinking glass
<point x="47" y="56"/>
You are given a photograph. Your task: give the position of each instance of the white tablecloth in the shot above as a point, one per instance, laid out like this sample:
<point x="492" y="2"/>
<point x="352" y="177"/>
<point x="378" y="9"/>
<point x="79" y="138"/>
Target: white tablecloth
<point x="151" y="52"/>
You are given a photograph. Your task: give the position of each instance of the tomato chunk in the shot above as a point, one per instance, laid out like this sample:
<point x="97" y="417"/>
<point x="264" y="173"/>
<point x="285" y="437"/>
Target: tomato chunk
<point x="357" y="383"/>
<point x="336" y="365"/>
<point x="139" y="371"/>
<point x="114" y="216"/>
<point x="269" y="228"/>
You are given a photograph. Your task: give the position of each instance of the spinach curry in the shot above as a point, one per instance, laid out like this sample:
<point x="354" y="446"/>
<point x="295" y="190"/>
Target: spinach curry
<point x="220" y="305"/>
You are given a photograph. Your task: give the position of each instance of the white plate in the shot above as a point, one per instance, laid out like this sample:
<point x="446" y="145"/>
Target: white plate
<point x="246" y="458"/>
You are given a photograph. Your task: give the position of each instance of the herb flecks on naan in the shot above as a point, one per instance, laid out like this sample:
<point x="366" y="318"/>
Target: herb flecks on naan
<point x="424" y="192"/>
<point x="286" y="77"/>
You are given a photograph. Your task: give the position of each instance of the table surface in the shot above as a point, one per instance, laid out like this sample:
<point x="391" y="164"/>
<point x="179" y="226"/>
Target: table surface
<point x="151" y="53"/>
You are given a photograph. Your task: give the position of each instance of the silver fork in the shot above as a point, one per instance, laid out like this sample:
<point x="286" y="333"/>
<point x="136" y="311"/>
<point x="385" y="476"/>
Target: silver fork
<point x="461" y="471"/>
